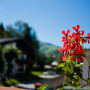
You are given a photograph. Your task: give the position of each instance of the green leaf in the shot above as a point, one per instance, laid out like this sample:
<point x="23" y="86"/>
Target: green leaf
<point x="80" y="64"/>
<point x="43" y="87"/>
<point x="70" y="69"/>
<point x="61" y="65"/>
<point x="73" y="62"/>
<point x="68" y="59"/>
<point x="65" y="69"/>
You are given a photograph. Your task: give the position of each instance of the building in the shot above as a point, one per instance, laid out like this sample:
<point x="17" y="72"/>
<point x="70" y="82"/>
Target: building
<point x="26" y="59"/>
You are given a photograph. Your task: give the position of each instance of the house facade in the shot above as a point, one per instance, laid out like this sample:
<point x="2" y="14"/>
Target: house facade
<point x="24" y="61"/>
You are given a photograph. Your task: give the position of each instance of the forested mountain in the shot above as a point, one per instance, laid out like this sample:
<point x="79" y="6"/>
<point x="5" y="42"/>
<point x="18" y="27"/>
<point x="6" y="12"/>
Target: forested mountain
<point x="48" y="48"/>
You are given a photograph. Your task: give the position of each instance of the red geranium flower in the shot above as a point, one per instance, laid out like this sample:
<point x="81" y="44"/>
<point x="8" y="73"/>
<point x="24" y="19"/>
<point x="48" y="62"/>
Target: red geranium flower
<point x="88" y="37"/>
<point x="72" y="44"/>
<point x="63" y="58"/>
<point x="76" y="29"/>
<point x="60" y="50"/>
<point x="63" y="32"/>
<point x="79" y="59"/>
<point x="88" y="34"/>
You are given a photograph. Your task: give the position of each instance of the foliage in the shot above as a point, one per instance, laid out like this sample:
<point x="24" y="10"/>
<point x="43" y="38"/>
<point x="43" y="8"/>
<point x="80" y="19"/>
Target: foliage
<point x="41" y="60"/>
<point x="23" y="30"/>
<point x="13" y="81"/>
<point x="9" y="53"/>
<point x="73" y="54"/>
<point x="12" y="32"/>
<point x="43" y="87"/>
<point x="50" y="59"/>
<point x="1" y="84"/>
<point x="37" y="73"/>
<point x="1" y="60"/>
<point x="9" y="82"/>
<point x="12" y="51"/>
<point x="3" y="33"/>
<point x="48" y="49"/>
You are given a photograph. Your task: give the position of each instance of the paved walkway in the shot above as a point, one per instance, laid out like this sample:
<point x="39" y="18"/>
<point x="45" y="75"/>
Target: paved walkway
<point x="11" y="88"/>
<point x="26" y="86"/>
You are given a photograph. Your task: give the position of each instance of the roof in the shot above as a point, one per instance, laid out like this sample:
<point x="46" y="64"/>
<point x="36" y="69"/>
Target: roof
<point x="22" y="42"/>
<point x="6" y="40"/>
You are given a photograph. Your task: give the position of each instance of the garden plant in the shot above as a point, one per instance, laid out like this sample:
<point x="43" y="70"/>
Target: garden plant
<point x="73" y="58"/>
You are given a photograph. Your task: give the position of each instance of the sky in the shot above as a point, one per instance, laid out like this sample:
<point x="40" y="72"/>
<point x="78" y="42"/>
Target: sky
<point x="47" y="17"/>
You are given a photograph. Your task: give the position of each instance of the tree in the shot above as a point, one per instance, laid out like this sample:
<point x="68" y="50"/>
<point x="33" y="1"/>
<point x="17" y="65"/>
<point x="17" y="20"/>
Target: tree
<point x="24" y="31"/>
<point x="12" y="32"/>
<point x="10" y="53"/>
<point x="50" y="59"/>
<point x="29" y="34"/>
<point x="41" y="60"/>
<point x="3" y="33"/>
<point x="1" y="60"/>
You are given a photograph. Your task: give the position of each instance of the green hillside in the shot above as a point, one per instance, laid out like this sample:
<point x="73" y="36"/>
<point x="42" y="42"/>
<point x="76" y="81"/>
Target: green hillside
<point x="48" y="48"/>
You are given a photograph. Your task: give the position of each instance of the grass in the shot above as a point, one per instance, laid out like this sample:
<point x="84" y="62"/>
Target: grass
<point x="1" y="84"/>
<point x="9" y="82"/>
<point x="13" y="81"/>
<point x="37" y="73"/>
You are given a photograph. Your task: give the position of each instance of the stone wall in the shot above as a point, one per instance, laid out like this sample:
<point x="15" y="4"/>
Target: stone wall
<point x="85" y="68"/>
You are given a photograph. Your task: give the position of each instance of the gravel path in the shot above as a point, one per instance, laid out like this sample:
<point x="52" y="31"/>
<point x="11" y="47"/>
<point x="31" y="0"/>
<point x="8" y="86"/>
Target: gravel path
<point x="28" y="85"/>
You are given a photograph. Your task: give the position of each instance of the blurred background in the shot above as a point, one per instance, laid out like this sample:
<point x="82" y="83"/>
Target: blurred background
<point x="30" y="35"/>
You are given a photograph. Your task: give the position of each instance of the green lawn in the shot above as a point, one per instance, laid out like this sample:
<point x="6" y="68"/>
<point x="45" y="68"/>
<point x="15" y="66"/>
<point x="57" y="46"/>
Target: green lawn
<point x="9" y="82"/>
<point x="37" y="73"/>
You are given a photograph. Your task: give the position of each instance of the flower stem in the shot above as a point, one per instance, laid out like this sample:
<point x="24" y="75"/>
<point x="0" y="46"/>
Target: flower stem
<point x="88" y="72"/>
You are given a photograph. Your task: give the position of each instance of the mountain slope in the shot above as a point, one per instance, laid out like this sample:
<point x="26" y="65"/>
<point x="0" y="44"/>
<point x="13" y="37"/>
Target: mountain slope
<point x="48" y="48"/>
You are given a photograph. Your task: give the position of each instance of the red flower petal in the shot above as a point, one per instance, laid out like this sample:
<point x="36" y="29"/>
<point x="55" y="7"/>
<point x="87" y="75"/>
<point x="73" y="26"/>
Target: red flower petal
<point x="74" y="27"/>
<point x="63" y="37"/>
<point x="83" y="41"/>
<point x="82" y="32"/>
<point x="60" y="50"/>
<point x="77" y="59"/>
<point x="63" y="58"/>
<point x="63" y="32"/>
<point x="72" y="54"/>
<point x="78" y="27"/>
<point x="68" y="31"/>
<point x="73" y="34"/>
<point x="81" y="59"/>
<point x="69" y="47"/>
<point x="88" y="34"/>
<point x="71" y="58"/>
